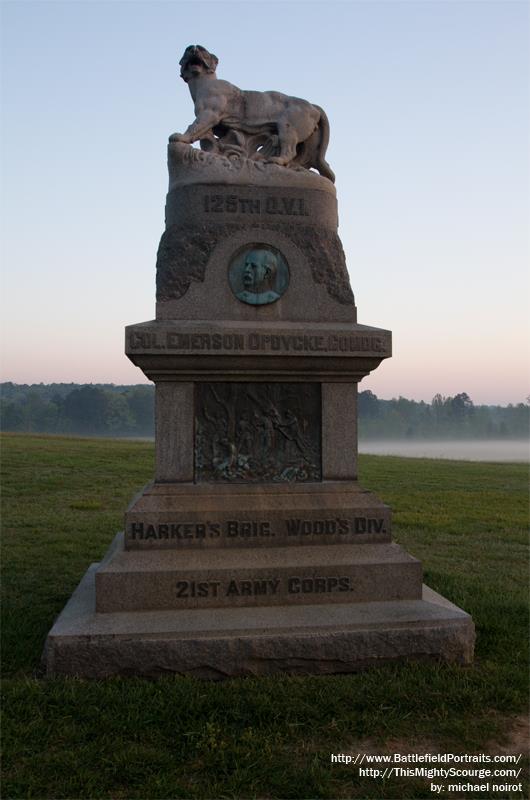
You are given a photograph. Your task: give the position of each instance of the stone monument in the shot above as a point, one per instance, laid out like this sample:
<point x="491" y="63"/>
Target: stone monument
<point x="254" y="550"/>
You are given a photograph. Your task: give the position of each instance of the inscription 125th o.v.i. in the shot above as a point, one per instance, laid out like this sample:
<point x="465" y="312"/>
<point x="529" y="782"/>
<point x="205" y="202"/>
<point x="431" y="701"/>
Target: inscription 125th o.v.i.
<point x="232" y="204"/>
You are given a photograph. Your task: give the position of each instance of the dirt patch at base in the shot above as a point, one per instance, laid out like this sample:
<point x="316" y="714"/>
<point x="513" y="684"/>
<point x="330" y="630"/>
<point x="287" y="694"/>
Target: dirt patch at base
<point x="516" y="740"/>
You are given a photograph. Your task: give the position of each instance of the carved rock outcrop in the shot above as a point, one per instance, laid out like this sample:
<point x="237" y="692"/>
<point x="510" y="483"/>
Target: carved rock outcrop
<point x="184" y="252"/>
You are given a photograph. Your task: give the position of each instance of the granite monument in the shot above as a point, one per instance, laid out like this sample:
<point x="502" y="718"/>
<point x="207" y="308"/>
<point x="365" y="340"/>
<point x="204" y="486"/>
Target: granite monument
<point x="255" y="549"/>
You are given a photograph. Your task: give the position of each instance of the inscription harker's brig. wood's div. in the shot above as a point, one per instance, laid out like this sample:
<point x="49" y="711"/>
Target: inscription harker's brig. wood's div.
<point x="254" y="549"/>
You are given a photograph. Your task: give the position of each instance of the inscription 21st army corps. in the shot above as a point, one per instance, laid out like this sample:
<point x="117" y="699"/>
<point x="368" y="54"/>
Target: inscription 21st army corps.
<point x="269" y="586"/>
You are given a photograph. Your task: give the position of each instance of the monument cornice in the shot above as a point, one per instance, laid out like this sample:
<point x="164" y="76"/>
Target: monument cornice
<point x="292" y="350"/>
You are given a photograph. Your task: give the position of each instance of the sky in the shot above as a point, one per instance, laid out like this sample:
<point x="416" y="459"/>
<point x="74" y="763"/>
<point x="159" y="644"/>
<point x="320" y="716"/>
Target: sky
<point x="428" y="104"/>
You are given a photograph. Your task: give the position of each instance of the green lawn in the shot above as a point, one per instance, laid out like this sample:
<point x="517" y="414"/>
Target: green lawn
<point x="63" y="501"/>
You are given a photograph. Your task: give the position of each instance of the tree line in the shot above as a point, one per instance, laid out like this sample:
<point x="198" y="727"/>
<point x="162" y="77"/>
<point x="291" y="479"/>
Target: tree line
<point x="109" y="410"/>
<point x="89" y="409"/>
<point x="443" y="418"/>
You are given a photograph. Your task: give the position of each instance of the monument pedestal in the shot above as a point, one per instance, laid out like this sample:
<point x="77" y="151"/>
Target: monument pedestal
<point x="255" y="550"/>
<point x="240" y="641"/>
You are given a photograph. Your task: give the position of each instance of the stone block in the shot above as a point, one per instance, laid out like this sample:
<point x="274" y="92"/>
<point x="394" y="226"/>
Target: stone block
<point x="232" y="642"/>
<point x="192" y="272"/>
<point x="245" y="205"/>
<point x="168" y="515"/>
<point x="174" y="431"/>
<point x="194" y="350"/>
<point x="339" y="431"/>
<point x="134" y="580"/>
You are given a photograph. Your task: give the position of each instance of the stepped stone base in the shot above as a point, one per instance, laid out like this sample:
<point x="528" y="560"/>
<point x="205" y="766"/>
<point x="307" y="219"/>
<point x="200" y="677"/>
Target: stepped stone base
<point x="188" y="515"/>
<point x="133" y="580"/>
<point x="217" y="643"/>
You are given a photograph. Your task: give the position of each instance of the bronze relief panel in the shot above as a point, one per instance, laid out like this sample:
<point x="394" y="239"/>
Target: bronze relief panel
<point x="258" y="432"/>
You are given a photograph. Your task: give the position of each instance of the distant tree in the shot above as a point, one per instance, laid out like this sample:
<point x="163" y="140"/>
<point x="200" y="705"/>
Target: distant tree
<point x="141" y="404"/>
<point x="461" y="406"/>
<point x="86" y="409"/>
<point x="9" y="390"/>
<point x="368" y="404"/>
<point x="439" y="409"/>
<point x="118" y="417"/>
<point x="11" y="415"/>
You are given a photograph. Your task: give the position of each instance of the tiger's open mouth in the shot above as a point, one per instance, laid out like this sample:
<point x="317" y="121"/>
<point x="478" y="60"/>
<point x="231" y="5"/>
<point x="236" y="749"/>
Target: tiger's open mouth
<point x="194" y="66"/>
<point x="193" y="62"/>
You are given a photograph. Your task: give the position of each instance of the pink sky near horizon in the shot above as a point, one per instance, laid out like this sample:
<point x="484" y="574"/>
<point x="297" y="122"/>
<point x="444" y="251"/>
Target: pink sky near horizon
<point x="495" y="381"/>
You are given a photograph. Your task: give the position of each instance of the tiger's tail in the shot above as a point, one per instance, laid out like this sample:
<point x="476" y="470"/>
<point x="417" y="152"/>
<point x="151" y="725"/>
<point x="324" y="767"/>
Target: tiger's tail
<point x="321" y="163"/>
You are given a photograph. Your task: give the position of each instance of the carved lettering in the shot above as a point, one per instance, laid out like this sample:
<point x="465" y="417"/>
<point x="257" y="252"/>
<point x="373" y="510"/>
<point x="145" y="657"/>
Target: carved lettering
<point x="264" y="587"/>
<point x="232" y="204"/>
<point x="302" y="210"/>
<point x="323" y="527"/>
<point x="312" y="344"/>
<point x="317" y="527"/>
<point x="252" y="588"/>
<point x="254" y="341"/>
<point x="205" y="341"/>
<point x="350" y="344"/>
<point x="197" y="588"/>
<point x="253" y="529"/>
<point x="312" y="585"/>
<point x="247" y="529"/>
<point x="175" y="530"/>
<point x="248" y="206"/>
<point x="271" y="206"/>
<point x="146" y="340"/>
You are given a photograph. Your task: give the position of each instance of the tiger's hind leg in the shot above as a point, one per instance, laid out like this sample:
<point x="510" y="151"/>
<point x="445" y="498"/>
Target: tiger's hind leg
<point x="288" y="140"/>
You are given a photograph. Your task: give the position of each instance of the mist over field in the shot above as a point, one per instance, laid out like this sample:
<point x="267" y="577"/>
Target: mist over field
<point x="499" y="450"/>
<point x="447" y="427"/>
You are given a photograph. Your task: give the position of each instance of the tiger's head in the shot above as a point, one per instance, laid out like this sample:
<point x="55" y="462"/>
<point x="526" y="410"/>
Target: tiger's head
<point x="196" y="60"/>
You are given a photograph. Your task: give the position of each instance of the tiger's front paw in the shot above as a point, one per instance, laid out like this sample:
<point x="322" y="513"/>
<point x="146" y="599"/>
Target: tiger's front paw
<point x="179" y="137"/>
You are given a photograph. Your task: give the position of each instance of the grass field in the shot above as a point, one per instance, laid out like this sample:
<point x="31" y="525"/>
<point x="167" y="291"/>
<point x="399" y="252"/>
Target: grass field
<point x="63" y="501"/>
